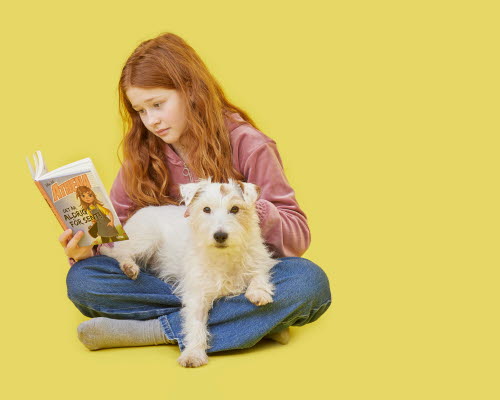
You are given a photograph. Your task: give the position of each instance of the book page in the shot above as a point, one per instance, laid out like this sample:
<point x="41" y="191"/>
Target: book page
<point x="74" y="167"/>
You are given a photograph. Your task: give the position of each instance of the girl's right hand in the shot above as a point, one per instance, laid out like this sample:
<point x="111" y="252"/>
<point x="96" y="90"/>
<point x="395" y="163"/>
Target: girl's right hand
<point x="71" y="248"/>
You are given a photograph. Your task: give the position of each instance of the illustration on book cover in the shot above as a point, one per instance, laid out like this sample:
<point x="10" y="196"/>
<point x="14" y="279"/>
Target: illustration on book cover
<point x="83" y="207"/>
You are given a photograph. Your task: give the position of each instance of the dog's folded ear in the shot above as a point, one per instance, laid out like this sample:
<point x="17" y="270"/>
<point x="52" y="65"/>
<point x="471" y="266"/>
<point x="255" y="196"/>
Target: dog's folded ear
<point x="188" y="192"/>
<point x="250" y="191"/>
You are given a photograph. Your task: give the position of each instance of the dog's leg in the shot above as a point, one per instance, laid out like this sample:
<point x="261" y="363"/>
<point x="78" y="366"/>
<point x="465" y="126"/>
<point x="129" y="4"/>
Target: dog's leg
<point x="260" y="289"/>
<point x="195" y="317"/>
<point x="128" y="251"/>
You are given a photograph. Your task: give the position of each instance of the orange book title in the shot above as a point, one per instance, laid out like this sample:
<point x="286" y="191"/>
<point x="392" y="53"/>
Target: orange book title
<point x="68" y="187"/>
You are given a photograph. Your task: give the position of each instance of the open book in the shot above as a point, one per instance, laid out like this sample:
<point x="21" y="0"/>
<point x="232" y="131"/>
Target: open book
<point x="78" y="199"/>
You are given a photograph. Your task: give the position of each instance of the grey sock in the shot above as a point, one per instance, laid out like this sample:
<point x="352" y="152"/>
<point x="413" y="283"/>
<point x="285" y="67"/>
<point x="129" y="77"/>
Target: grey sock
<point x="282" y="336"/>
<point x="101" y="333"/>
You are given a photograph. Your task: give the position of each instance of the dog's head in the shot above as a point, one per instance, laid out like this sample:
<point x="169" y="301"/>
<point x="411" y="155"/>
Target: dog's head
<point x="221" y="214"/>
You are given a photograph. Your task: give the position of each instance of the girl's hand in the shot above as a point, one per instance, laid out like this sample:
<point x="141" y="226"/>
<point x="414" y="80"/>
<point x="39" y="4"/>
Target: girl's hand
<point x="71" y="248"/>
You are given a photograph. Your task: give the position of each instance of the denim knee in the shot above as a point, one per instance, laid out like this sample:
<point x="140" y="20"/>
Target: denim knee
<point x="81" y="280"/>
<point x="306" y="282"/>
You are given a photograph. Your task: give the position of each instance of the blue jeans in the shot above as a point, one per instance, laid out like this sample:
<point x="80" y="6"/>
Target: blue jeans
<point x="98" y="288"/>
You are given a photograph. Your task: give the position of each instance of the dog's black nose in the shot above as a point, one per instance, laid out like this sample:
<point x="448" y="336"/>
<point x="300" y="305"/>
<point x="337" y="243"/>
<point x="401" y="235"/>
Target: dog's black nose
<point x="220" y="236"/>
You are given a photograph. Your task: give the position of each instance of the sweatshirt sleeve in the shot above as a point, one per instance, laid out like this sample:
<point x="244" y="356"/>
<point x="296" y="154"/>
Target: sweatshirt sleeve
<point x="119" y="198"/>
<point x="283" y="224"/>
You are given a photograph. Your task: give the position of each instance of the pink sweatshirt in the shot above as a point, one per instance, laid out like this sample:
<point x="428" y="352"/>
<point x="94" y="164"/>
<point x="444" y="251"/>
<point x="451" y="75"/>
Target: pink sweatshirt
<point x="283" y="224"/>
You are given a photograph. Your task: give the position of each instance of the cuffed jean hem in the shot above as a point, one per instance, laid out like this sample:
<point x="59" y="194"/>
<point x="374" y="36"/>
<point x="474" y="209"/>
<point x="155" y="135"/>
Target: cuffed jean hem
<point x="169" y="332"/>
<point x="172" y="334"/>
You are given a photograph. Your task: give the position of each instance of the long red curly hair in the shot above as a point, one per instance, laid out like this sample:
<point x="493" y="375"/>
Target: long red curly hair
<point x="167" y="61"/>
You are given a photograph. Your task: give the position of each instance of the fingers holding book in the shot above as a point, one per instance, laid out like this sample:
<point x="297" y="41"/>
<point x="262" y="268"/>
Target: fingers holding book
<point x="71" y="248"/>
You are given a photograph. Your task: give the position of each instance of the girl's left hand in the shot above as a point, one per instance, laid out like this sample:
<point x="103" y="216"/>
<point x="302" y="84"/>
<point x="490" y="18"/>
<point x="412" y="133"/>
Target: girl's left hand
<point x="71" y="248"/>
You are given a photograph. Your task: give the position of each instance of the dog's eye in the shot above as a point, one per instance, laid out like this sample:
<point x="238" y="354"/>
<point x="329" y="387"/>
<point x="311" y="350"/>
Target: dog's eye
<point x="206" y="210"/>
<point x="234" y="210"/>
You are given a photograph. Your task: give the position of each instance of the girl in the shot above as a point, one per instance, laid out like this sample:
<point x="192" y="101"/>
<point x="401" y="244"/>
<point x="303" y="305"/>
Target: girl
<point x="102" y="217"/>
<point x="180" y="127"/>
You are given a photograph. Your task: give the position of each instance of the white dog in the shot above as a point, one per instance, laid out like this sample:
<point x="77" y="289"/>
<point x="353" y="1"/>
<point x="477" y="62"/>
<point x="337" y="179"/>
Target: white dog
<point x="209" y="248"/>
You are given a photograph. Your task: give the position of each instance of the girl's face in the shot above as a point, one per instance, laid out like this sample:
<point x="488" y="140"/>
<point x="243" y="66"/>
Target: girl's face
<point x="88" y="197"/>
<point x="162" y="111"/>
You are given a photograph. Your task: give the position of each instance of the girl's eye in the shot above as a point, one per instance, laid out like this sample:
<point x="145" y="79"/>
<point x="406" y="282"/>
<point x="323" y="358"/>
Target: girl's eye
<point x="155" y="104"/>
<point x="234" y="210"/>
<point x="206" y="210"/>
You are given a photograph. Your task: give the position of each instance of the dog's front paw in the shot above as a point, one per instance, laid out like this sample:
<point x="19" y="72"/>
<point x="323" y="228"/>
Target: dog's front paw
<point x="131" y="270"/>
<point x="258" y="296"/>
<point x="193" y="358"/>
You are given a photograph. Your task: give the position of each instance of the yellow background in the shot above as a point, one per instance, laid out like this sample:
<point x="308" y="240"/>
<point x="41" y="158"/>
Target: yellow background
<point x="386" y="117"/>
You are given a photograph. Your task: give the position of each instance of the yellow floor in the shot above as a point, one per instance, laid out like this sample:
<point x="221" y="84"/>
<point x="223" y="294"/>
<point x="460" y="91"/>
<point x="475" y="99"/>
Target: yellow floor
<point x="385" y="114"/>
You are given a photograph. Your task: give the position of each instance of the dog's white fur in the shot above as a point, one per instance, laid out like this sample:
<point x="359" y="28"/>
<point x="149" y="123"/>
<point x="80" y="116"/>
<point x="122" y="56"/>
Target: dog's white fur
<point x="178" y="244"/>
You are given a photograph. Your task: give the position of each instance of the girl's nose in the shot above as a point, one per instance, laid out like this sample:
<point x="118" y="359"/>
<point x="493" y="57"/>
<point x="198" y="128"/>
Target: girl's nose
<point x="153" y="119"/>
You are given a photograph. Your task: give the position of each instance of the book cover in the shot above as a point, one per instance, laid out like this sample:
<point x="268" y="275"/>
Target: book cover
<point x="79" y="201"/>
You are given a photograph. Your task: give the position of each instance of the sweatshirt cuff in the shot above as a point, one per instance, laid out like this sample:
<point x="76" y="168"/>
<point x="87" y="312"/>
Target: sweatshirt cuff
<point x="262" y="207"/>
<point x="268" y="215"/>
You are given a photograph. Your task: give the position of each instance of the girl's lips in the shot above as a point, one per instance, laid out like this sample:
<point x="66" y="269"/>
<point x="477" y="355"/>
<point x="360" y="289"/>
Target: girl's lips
<point x="162" y="131"/>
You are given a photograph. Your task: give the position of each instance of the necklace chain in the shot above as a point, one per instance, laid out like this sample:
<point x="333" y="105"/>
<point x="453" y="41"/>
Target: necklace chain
<point x="186" y="172"/>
